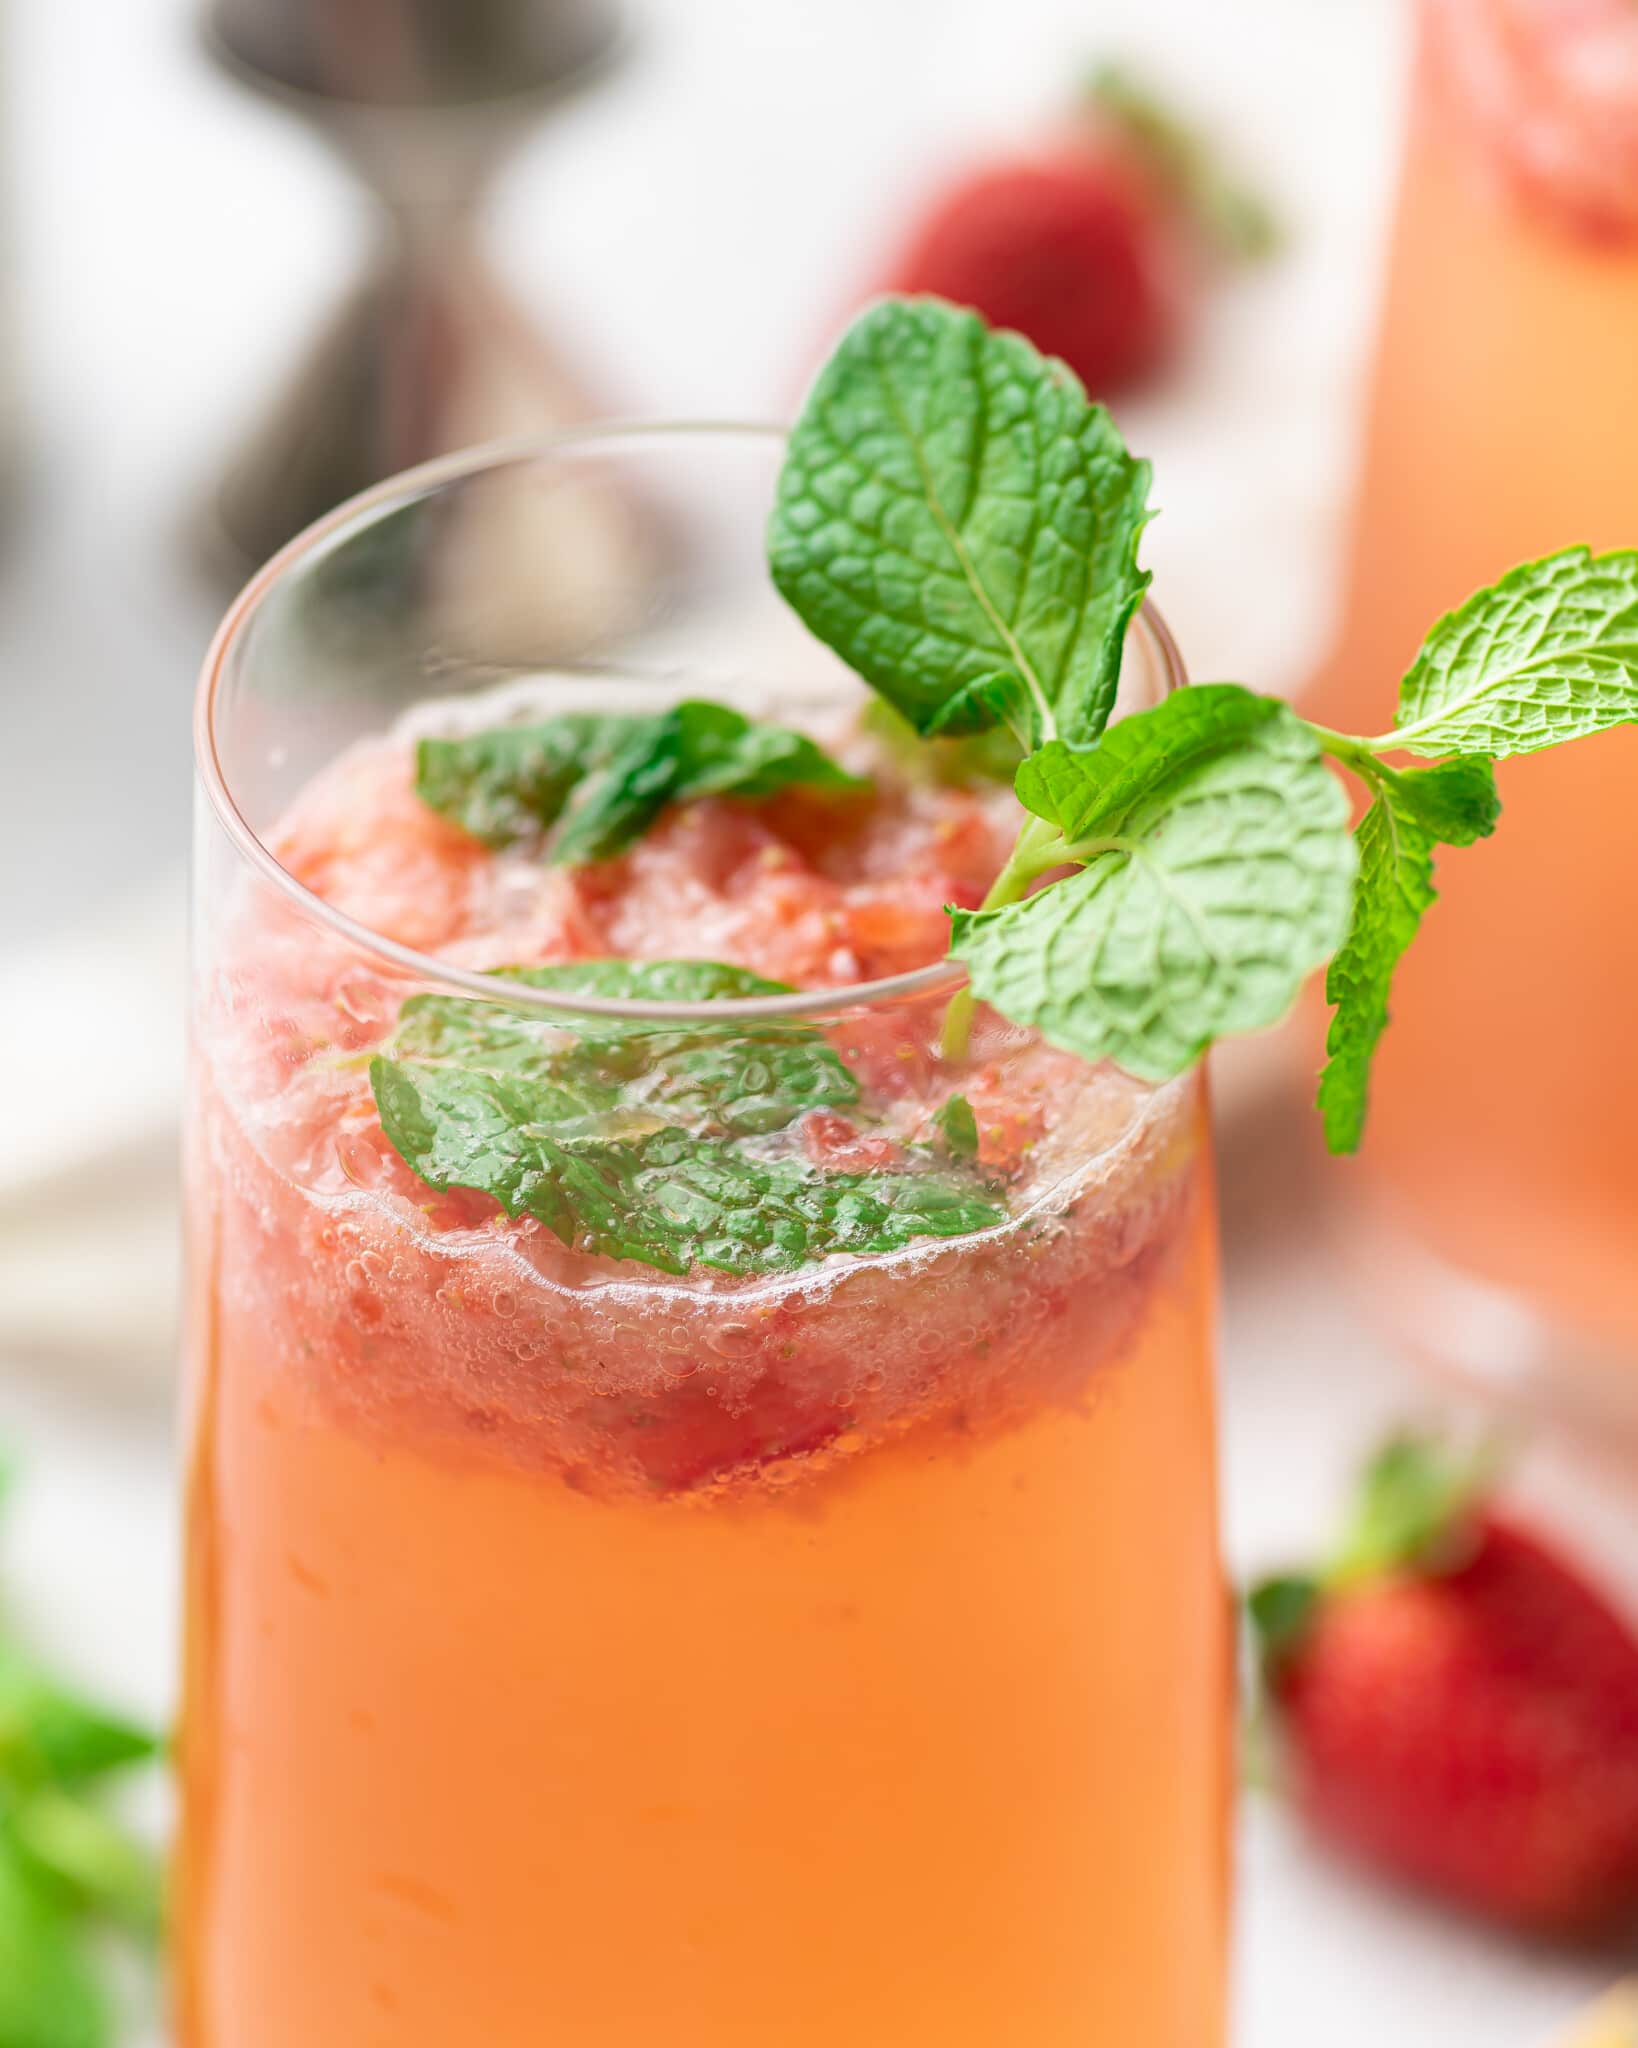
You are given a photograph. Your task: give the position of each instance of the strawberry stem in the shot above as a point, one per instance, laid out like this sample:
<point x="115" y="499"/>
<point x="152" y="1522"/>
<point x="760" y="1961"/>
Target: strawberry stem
<point x="1233" y="217"/>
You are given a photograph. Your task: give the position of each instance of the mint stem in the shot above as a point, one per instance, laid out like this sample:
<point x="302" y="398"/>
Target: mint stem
<point x="1023" y="866"/>
<point x="1357" y="754"/>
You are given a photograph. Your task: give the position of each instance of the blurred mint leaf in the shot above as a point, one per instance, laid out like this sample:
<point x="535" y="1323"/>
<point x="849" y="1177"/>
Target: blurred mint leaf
<point x="602" y="781"/>
<point x="958" y="1127"/>
<point x="656" y="1142"/>
<point x="50" y="1994"/>
<point x="1414" y="810"/>
<point x="951" y="507"/>
<point x="1550" y="653"/>
<point x="989" y="756"/>
<point x="89" y="1862"/>
<point x="50" y="1732"/>
<point x="1217" y="867"/>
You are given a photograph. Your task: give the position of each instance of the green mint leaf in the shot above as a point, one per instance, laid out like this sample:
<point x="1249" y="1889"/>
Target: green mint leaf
<point x="1548" y="654"/>
<point x="602" y="781"/>
<point x="50" y="1733"/>
<point x="719" y="1080"/>
<point x="695" y="750"/>
<point x="1217" y="875"/>
<point x="661" y="1143"/>
<point x="1455" y="803"/>
<point x="50" y="1996"/>
<point x="958" y="1127"/>
<point x="90" y="1861"/>
<point x="510" y="784"/>
<point x="1001" y="699"/>
<point x="951" y="507"/>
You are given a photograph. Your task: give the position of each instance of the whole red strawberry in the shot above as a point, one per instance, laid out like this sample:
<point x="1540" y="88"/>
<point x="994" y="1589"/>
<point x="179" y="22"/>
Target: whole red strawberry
<point x="1459" y="1706"/>
<point x="1071" y="249"/>
<point x="1089" y="246"/>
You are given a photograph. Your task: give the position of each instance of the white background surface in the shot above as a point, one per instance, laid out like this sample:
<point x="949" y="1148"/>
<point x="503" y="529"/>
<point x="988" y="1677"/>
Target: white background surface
<point x="689" y="231"/>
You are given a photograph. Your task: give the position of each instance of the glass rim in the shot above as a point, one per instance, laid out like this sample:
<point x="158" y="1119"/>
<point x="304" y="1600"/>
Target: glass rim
<point x="939" y="977"/>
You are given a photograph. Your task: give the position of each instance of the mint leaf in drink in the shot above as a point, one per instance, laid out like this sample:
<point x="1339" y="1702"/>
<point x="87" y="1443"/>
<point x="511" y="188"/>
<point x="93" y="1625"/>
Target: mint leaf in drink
<point x="1413" y="811"/>
<point x="725" y="1079"/>
<point x="695" y="750"/>
<point x="511" y="783"/>
<point x="958" y="1128"/>
<point x="952" y="507"/>
<point x="602" y="781"/>
<point x="666" y="1143"/>
<point x="1216" y="866"/>
<point x="1549" y="654"/>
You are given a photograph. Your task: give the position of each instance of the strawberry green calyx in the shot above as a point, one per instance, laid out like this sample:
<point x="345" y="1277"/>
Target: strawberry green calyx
<point x="1236" y="220"/>
<point x="1415" y="1510"/>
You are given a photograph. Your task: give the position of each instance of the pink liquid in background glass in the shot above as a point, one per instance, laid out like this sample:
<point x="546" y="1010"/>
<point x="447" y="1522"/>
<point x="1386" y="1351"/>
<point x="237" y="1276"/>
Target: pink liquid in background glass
<point x="1504" y="425"/>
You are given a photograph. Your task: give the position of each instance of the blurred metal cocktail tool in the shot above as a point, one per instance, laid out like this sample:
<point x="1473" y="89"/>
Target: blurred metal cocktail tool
<point x="423" y="99"/>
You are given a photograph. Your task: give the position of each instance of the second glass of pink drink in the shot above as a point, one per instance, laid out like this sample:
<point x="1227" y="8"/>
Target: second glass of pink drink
<point x="589" y="1650"/>
<point x="1503" y="1158"/>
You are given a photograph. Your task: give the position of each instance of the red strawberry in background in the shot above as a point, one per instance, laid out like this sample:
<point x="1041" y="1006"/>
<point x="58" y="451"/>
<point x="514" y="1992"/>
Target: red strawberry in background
<point x="1459" y="1706"/>
<point x="1093" y="245"/>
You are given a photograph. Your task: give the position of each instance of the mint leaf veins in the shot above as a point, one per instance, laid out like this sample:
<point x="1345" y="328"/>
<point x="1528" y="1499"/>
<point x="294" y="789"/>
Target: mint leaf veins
<point x="673" y="1145"/>
<point x="957" y="521"/>
<point x="1214" y="874"/>
<point x="1549" y="654"/>
<point x="951" y="511"/>
<point x="588" y="786"/>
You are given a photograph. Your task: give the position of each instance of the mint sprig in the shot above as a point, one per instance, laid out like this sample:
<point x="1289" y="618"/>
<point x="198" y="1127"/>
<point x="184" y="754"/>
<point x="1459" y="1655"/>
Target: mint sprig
<point x="959" y="523"/>
<point x="587" y="786"/>
<point x="669" y="1145"/>
<point x="953" y="511"/>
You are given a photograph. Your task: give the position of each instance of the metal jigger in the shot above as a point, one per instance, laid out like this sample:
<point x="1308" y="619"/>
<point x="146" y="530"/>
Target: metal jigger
<point x="424" y="99"/>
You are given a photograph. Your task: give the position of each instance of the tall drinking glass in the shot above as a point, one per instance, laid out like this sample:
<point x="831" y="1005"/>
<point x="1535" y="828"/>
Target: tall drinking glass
<point x="1502" y="1161"/>
<point x="589" y="1653"/>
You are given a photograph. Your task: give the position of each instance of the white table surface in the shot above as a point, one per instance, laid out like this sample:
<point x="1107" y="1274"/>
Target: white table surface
<point x="175" y="241"/>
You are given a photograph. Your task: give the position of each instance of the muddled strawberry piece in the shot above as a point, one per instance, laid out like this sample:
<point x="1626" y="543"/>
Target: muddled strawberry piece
<point x="362" y="839"/>
<point x="837" y="1145"/>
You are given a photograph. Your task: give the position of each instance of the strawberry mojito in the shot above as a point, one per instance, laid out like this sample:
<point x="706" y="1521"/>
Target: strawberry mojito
<point x="775" y="1603"/>
<point x="701" y="1519"/>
